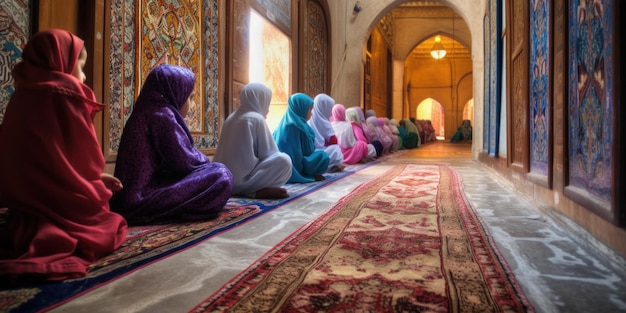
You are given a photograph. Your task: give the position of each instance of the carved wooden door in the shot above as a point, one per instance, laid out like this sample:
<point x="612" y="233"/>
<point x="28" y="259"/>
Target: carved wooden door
<point x="517" y="84"/>
<point x="86" y="20"/>
<point x="314" y="49"/>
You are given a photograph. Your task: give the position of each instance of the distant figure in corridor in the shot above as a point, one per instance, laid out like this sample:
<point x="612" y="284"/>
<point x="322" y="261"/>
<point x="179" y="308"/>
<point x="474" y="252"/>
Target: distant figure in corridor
<point x="354" y="151"/>
<point x="387" y="128"/>
<point x="248" y="149"/>
<point x="463" y="133"/>
<point x="366" y="130"/>
<point x="411" y="137"/>
<point x="395" y="129"/>
<point x="165" y="177"/>
<point x="377" y="133"/>
<point x="352" y="116"/>
<point x="296" y="138"/>
<point x="51" y="168"/>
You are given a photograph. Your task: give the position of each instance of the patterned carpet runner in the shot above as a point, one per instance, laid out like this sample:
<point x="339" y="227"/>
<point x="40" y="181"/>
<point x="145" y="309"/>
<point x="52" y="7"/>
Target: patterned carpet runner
<point x="408" y="241"/>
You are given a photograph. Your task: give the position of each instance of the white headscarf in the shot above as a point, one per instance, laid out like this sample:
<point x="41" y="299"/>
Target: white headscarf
<point x="255" y="97"/>
<point x="246" y="141"/>
<point x="320" y="119"/>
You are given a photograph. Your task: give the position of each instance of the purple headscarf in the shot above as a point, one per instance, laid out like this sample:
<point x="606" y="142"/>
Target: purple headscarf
<point x="164" y="176"/>
<point x="167" y="85"/>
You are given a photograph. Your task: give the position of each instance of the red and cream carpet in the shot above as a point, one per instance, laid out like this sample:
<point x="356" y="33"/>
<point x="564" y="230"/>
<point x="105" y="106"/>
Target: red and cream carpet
<point x="407" y="241"/>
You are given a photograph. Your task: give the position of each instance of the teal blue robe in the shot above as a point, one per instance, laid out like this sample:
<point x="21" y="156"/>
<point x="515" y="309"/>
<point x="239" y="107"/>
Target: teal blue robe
<point x="296" y="138"/>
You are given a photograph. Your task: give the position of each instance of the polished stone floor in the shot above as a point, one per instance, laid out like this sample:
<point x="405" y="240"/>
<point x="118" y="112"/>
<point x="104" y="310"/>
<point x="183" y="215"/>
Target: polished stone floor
<point x="559" y="266"/>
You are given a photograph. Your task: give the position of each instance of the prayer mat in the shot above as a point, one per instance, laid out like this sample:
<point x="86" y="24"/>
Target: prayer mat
<point x="407" y="241"/>
<point x="148" y="244"/>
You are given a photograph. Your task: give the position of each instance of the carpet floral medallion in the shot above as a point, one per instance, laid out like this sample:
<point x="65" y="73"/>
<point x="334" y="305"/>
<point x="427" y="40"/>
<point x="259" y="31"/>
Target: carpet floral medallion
<point x="407" y="241"/>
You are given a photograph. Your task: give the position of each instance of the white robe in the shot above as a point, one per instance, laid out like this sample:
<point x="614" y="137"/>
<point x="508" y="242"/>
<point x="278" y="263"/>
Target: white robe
<point x="247" y="147"/>
<point x="353" y="116"/>
<point x="320" y="122"/>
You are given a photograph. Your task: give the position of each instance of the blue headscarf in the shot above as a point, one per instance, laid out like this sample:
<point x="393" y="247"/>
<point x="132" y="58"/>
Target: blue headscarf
<point x="296" y="138"/>
<point x="298" y="107"/>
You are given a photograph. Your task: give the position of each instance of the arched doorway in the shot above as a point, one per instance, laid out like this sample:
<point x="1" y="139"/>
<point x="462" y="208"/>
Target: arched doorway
<point x="468" y="111"/>
<point x="410" y="29"/>
<point x="432" y="111"/>
<point x="447" y="79"/>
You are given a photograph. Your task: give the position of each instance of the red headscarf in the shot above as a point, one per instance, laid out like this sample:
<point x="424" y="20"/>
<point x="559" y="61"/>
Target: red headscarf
<point x="47" y="63"/>
<point x="50" y="166"/>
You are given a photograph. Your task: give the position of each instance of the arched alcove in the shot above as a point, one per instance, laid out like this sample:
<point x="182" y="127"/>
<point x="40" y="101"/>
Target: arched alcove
<point x="449" y="80"/>
<point x="408" y="23"/>
<point x="432" y="110"/>
<point x="468" y="111"/>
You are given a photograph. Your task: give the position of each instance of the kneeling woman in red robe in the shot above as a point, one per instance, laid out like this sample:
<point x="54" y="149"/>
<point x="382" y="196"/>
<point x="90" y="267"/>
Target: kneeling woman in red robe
<point x="51" y="167"/>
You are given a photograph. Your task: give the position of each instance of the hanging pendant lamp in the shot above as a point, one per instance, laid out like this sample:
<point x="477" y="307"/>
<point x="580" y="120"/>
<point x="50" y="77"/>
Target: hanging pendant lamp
<point x="438" y="51"/>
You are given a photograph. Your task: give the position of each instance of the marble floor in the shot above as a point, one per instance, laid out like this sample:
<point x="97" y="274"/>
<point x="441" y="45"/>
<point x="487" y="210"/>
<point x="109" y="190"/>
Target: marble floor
<point x="559" y="266"/>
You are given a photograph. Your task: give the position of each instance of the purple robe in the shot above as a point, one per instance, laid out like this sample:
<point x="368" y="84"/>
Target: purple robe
<point x="164" y="176"/>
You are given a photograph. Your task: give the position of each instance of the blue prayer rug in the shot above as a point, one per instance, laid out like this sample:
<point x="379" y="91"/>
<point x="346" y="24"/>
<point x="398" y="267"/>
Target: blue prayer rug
<point x="148" y="244"/>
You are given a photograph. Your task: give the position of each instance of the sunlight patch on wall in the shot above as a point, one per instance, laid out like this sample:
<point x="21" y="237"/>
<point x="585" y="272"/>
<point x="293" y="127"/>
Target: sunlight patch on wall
<point x="270" y="63"/>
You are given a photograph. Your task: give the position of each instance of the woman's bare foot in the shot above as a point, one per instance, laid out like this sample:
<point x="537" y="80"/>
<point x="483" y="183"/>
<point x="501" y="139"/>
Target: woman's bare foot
<point x="319" y="177"/>
<point x="366" y="160"/>
<point x="271" y="193"/>
<point x="337" y="169"/>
